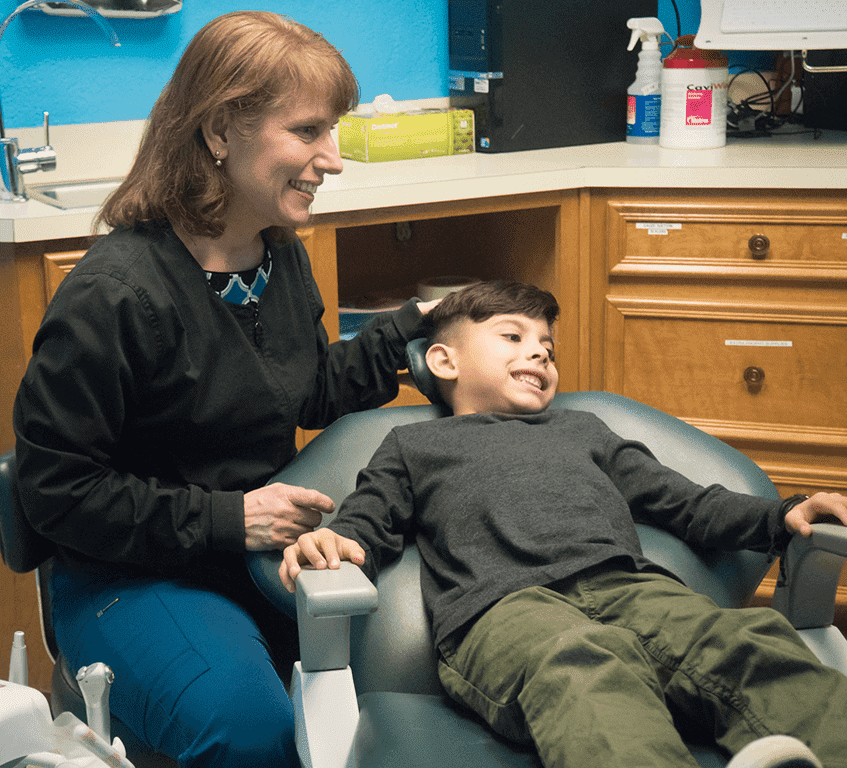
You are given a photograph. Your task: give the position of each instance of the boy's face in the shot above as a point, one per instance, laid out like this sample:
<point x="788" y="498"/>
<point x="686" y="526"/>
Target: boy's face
<point x="501" y="365"/>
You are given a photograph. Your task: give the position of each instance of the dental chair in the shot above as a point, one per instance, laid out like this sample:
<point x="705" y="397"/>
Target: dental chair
<point x="366" y="690"/>
<point x="24" y="550"/>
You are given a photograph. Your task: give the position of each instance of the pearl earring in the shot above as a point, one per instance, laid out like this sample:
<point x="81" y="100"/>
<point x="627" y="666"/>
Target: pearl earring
<point x="218" y="162"/>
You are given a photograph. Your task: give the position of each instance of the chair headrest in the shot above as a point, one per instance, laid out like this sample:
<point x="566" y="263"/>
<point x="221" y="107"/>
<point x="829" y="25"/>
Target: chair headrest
<point x="424" y="379"/>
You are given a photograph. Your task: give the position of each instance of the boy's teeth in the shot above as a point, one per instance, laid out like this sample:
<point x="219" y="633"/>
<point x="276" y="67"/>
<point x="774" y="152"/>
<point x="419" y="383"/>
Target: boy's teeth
<point x="534" y="380"/>
<point x="304" y="186"/>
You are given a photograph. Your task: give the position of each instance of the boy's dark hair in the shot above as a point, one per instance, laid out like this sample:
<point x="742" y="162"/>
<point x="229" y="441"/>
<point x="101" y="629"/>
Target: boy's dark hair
<point x="481" y="301"/>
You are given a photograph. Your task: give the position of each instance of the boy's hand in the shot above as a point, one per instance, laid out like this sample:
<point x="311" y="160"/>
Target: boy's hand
<point x="321" y="549"/>
<point x="821" y="507"/>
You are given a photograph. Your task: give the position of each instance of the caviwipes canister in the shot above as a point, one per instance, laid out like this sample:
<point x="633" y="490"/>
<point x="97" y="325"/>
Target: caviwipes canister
<point x="694" y="83"/>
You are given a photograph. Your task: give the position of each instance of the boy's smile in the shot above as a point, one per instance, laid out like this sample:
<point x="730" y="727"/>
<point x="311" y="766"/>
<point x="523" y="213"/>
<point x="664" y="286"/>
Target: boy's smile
<point x="533" y="378"/>
<point x="502" y="365"/>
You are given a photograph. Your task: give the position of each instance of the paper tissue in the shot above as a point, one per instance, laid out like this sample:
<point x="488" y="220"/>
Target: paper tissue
<point x="392" y="132"/>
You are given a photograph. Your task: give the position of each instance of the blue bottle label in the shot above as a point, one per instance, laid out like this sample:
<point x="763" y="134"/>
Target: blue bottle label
<point x="643" y="115"/>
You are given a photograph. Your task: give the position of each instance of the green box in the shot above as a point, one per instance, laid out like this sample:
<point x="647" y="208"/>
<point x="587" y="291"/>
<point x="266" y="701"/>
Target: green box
<point x="406" y="135"/>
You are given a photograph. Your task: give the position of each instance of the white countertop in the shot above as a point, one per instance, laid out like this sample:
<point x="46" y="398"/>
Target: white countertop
<point x="793" y="162"/>
<point x="797" y="162"/>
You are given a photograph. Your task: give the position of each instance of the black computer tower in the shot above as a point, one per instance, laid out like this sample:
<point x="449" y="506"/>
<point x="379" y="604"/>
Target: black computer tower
<point x="543" y="73"/>
<point x="825" y="93"/>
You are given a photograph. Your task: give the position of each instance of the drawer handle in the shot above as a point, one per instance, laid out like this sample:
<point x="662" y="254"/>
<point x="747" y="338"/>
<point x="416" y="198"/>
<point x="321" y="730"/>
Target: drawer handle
<point x="759" y="246"/>
<point x="755" y="378"/>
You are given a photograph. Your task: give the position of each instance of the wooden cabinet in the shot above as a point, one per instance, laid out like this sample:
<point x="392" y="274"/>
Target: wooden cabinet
<point x="729" y="310"/>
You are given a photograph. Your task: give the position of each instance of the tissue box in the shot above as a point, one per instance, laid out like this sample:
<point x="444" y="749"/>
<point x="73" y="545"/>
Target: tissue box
<point x="406" y="135"/>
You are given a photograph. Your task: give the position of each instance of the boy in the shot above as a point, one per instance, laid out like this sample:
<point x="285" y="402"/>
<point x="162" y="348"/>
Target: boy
<point x="548" y="620"/>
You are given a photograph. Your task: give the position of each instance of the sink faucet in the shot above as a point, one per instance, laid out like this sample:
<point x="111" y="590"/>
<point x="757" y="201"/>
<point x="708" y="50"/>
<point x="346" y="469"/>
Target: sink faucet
<point x="15" y="162"/>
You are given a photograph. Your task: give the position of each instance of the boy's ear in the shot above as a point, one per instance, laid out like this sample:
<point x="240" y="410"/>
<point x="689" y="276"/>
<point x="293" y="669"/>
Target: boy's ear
<point x="439" y="360"/>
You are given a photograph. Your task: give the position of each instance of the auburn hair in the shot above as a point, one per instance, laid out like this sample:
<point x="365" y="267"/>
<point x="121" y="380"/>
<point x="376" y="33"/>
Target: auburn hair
<point x="237" y="67"/>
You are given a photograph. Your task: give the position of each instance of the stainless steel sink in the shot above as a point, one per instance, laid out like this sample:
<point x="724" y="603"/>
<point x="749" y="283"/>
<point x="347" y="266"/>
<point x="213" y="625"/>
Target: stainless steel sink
<point x="91" y="193"/>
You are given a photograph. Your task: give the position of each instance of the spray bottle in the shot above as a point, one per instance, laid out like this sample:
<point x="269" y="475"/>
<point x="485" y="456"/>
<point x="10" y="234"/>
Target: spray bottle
<point x="644" y="96"/>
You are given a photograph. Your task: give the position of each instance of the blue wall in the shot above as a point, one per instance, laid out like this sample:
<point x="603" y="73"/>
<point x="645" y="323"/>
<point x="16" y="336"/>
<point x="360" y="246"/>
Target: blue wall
<point x="65" y="65"/>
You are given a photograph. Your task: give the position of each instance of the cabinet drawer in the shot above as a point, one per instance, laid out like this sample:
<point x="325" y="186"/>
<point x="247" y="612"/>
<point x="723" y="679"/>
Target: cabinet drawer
<point x="725" y="241"/>
<point x="772" y="368"/>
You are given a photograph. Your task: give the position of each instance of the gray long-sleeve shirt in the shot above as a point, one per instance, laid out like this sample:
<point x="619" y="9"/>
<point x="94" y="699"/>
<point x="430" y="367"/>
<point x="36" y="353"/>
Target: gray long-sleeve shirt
<point x="499" y="503"/>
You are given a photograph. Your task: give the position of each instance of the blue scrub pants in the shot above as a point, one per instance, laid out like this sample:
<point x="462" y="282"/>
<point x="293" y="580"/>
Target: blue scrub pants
<point x="193" y="673"/>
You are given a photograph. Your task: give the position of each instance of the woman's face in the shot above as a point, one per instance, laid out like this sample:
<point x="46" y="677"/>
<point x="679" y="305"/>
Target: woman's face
<point x="276" y="172"/>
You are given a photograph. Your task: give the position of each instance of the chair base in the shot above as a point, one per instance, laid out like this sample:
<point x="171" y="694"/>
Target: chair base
<point x="326" y="716"/>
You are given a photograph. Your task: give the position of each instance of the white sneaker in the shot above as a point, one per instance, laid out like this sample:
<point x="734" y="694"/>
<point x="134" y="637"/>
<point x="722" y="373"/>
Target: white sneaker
<point x="775" y="752"/>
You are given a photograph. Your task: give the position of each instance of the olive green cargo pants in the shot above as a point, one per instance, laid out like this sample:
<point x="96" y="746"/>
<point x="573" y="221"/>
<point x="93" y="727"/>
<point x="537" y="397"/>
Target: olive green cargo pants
<point x="596" y="670"/>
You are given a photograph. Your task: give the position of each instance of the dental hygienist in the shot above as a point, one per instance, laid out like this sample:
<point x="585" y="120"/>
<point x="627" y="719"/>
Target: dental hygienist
<point x="167" y="380"/>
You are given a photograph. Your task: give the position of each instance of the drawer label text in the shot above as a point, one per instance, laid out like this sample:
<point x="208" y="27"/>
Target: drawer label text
<point x="654" y="228"/>
<point x="755" y="343"/>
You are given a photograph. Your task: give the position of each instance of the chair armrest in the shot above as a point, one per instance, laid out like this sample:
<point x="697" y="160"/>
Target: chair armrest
<point x="812" y="567"/>
<point x="322" y="690"/>
<point x="328" y="593"/>
<point x="326" y="600"/>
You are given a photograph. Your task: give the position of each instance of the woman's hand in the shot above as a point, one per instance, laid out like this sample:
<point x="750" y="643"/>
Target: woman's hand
<point x="320" y="549"/>
<point x="427" y="306"/>
<point x="276" y="515"/>
<point x="820" y="508"/>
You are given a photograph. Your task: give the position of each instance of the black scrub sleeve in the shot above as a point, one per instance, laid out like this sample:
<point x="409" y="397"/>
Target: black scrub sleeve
<point x="96" y="344"/>
<point x="361" y="373"/>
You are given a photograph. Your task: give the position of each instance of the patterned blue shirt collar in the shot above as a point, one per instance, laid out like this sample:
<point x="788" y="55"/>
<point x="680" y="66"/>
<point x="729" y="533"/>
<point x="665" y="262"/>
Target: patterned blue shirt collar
<point x="242" y="287"/>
